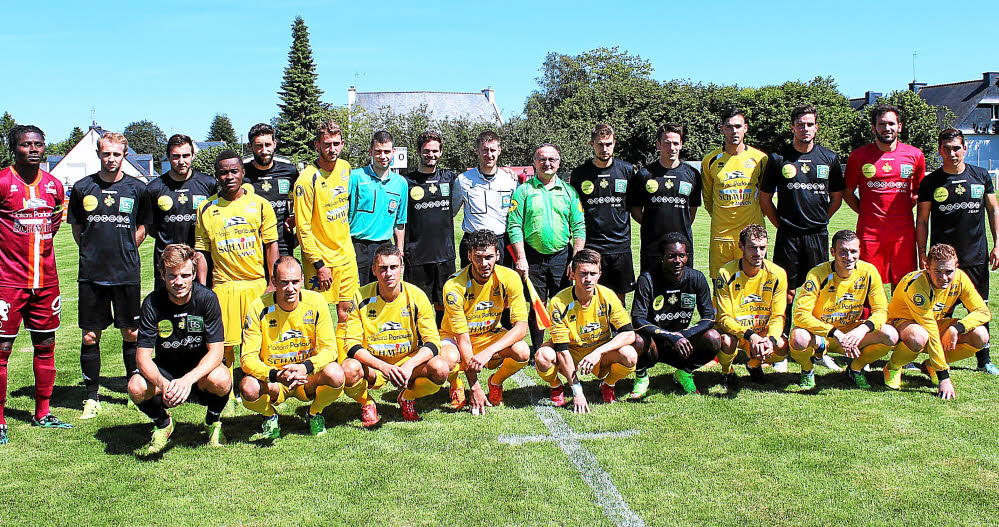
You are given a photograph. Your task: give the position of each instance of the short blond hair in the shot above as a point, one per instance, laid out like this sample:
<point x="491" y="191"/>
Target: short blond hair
<point x="112" y="137"/>
<point x="941" y="252"/>
<point x="176" y="255"/>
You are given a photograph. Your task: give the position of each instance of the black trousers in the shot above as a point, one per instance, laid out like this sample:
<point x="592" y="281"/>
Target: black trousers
<point x="547" y="273"/>
<point x="655" y="350"/>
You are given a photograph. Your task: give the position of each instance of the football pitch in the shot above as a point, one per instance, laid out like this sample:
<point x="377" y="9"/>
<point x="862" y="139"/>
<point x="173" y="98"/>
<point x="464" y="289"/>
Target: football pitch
<point x="772" y="455"/>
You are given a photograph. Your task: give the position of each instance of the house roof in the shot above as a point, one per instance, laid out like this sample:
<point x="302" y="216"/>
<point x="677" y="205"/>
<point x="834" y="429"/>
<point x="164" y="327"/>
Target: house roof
<point x="141" y="162"/>
<point x="441" y="105"/>
<point x="960" y="97"/>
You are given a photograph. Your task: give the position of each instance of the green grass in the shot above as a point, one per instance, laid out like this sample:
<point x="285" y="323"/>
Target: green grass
<point x="771" y="456"/>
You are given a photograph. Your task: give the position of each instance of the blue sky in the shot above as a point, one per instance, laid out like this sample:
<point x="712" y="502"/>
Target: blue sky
<point x="179" y="63"/>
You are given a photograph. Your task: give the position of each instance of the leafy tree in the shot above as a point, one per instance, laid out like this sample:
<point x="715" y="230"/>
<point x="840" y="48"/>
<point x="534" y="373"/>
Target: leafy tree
<point x="6" y="123"/>
<point x="299" y="94"/>
<point x="221" y="130"/>
<point x="146" y="138"/>
<point x="204" y="160"/>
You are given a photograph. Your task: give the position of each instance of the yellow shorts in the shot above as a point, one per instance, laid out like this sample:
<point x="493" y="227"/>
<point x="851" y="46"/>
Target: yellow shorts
<point x="380" y="378"/>
<point x="478" y="343"/>
<point x="234" y="300"/>
<point x="942" y="324"/>
<point x="723" y="250"/>
<point x="577" y="355"/>
<point x="344" y="284"/>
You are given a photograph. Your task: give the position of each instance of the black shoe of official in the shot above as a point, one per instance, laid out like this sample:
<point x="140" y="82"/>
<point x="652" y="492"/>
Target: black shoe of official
<point x="756" y="375"/>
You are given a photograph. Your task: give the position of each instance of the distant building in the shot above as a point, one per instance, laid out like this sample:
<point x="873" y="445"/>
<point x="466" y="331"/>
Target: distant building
<point x="82" y="161"/>
<point x="975" y="103"/>
<point x="476" y="106"/>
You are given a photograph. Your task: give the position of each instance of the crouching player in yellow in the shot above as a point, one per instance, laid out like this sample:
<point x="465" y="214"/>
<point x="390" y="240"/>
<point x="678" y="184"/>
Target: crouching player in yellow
<point x="750" y="298"/>
<point x="474" y="300"/>
<point x="591" y="332"/>
<point x="922" y="308"/>
<point x="289" y="349"/>
<point x="829" y="315"/>
<point x="392" y="335"/>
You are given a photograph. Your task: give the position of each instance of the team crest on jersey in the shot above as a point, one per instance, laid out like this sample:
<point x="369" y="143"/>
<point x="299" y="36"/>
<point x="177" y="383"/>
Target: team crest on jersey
<point x="482" y="306"/>
<point x="164" y="203"/>
<point x="886" y="167"/>
<point x="671" y="299"/>
<point x="390" y="326"/>
<point x="505" y="203"/>
<point x="4" y="310"/>
<point x="751" y="299"/>
<point x="416" y="193"/>
<point x="125" y="205"/>
<point x="719" y="282"/>
<point x="291" y="334"/>
<point x="651" y="186"/>
<point x="822" y="171"/>
<point x="89" y="203"/>
<point x="809" y="286"/>
<point x="309" y="318"/>
<point x="657" y="304"/>
<point x="685" y="188"/>
<point x="587" y="187"/>
<point x="788" y="171"/>
<point x="868" y="170"/>
<point x="432" y="188"/>
<point x="182" y="199"/>
<point x="50" y="188"/>
<point x="960" y="190"/>
<point x="266" y="186"/>
<point x="195" y="324"/>
<point x="668" y="184"/>
<point x="621" y="185"/>
<point x="977" y="191"/>
<point x="805" y="169"/>
<point x="604" y="183"/>
<point x="109" y="201"/>
<point x="906" y="170"/>
<point x="181" y="324"/>
<point x="453" y="300"/>
<point x="284" y="186"/>
<point x="165" y="328"/>
<point x="589" y="328"/>
<point x="918" y="299"/>
<point x="687" y="301"/>
<point x="940" y="194"/>
<point x="299" y="190"/>
<point x="557" y="317"/>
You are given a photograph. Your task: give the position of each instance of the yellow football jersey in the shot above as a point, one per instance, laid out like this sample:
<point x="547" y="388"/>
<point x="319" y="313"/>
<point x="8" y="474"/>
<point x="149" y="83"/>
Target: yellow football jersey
<point x="273" y="337"/>
<point x="234" y="232"/>
<point x="828" y="302"/>
<point x="391" y="330"/>
<point x="916" y="299"/>
<point x="474" y="308"/>
<point x="584" y="328"/>
<point x="321" y="202"/>
<point x="751" y="304"/>
<point x="731" y="190"/>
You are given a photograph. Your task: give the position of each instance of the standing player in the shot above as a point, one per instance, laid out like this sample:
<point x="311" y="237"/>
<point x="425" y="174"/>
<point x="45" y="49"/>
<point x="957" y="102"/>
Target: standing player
<point x="887" y="174"/>
<point x="485" y="192"/>
<point x="429" y="244"/>
<point x="182" y="323"/>
<point x="731" y="175"/>
<point x="544" y="218"/>
<point x="474" y="300"/>
<point x="174" y="198"/>
<point x="392" y="337"/>
<point x="830" y="314"/>
<point x="665" y="299"/>
<point x="664" y="198"/>
<point x="809" y="185"/>
<point x="109" y="212"/>
<point x="952" y="198"/>
<point x="602" y="186"/>
<point x="31" y="202"/>
<point x="591" y="333"/>
<point x="377" y="211"/>
<point x="289" y="350"/>
<point x="921" y="309"/>
<point x="236" y="230"/>
<point x="750" y="296"/>
<point x="321" y="205"/>
<point x="272" y="180"/>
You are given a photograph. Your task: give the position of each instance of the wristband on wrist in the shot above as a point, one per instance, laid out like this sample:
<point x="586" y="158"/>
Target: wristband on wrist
<point x="577" y="390"/>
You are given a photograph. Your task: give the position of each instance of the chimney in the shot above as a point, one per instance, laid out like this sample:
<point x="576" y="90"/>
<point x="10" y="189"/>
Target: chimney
<point x="990" y="77"/>
<point x="871" y="96"/>
<point x="351" y="97"/>
<point x="490" y="94"/>
<point x="914" y="86"/>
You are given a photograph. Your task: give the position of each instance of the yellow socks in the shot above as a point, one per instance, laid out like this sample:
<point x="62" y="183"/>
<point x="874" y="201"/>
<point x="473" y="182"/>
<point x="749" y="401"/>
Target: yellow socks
<point x="901" y="356"/>
<point x="617" y="372"/>
<point x="262" y="405"/>
<point x="550" y="375"/>
<point x="961" y="351"/>
<point x="726" y="360"/>
<point x="507" y="369"/>
<point x="358" y="391"/>
<point x="803" y="357"/>
<point x="869" y="354"/>
<point x="325" y="395"/>
<point x="422" y="387"/>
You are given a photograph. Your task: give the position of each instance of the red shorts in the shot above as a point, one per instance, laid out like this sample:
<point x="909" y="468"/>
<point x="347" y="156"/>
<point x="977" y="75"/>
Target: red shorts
<point x="39" y="308"/>
<point x="893" y="257"/>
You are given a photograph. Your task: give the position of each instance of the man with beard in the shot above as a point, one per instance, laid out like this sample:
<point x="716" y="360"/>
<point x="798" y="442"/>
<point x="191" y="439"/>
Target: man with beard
<point x="272" y="180"/>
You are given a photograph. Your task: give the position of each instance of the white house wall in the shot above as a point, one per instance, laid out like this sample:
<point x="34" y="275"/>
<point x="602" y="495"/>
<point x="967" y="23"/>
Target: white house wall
<point x="82" y="161"/>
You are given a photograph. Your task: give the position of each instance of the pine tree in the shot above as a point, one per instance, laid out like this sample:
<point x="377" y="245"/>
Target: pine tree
<point x="6" y="123"/>
<point x="299" y="95"/>
<point x="222" y="130"/>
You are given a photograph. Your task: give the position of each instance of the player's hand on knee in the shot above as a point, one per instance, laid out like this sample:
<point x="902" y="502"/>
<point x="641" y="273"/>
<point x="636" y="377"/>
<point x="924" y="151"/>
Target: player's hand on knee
<point x="176" y="394"/>
<point x="949" y="339"/>
<point x="684" y="347"/>
<point x="478" y="361"/>
<point x="397" y="375"/>
<point x="588" y="362"/>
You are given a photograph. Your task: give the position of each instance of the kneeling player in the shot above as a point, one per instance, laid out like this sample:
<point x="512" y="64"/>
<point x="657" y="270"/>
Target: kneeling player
<point x="665" y="298"/>
<point x="474" y="300"/>
<point x="591" y="332"/>
<point x="392" y="335"/>
<point x="289" y="349"/>
<point x="750" y="296"/>
<point x="182" y="322"/>
<point x="830" y="311"/>
<point x="921" y="310"/>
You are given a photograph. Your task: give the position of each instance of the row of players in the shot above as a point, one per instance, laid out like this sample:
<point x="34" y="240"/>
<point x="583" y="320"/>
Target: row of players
<point x="338" y="204"/>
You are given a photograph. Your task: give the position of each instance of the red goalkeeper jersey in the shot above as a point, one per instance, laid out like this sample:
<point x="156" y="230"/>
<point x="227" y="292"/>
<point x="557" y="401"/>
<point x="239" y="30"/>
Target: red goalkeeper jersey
<point x="889" y="184"/>
<point x="30" y="214"/>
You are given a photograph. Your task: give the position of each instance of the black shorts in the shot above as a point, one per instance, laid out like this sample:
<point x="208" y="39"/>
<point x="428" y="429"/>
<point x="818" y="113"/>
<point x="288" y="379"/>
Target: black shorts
<point x="171" y="372"/>
<point x="797" y="254"/>
<point x="98" y="301"/>
<point x="364" y="250"/>
<point x="617" y="272"/>
<point x="430" y="278"/>
<point x="979" y="275"/>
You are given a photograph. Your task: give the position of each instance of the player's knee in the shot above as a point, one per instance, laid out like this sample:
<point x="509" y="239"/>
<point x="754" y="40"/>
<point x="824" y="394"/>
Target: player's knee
<point x="728" y="344"/>
<point x="39" y="338"/>
<point x="6" y="346"/>
<point x="450" y="354"/>
<point x="800" y="339"/>
<point x="438" y="369"/>
<point x="978" y="337"/>
<point x="341" y="312"/>
<point x="915" y="338"/>
<point x="629" y="356"/>
<point x="521" y="351"/>
<point x="138" y="388"/>
<point x="639" y="343"/>
<point x="544" y="358"/>
<point x="218" y="381"/>
<point x="251" y="388"/>
<point x="332" y="375"/>
<point x="90" y="338"/>
<point x="352" y="371"/>
<point x="713" y="340"/>
<point x="887" y="335"/>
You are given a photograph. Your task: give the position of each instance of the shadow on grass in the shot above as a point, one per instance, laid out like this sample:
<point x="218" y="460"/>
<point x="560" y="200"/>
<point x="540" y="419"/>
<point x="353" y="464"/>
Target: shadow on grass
<point x="71" y="396"/>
